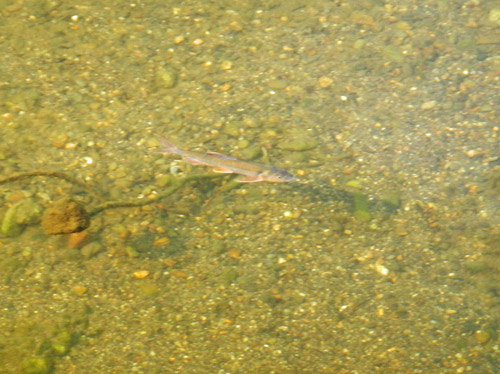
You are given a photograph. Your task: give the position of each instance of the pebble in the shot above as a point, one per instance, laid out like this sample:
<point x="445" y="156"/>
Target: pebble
<point x="250" y="153"/>
<point x="234" y="254"/>
<point x="162" y="241"/>
<point x="163" y="180"/>
<point x="226" y="65"/>
<point x="481" y="337"/>
<point x="28" y="212"/>
<point x="277" y="84"/>
<point x="362" y="215"/>
<point x="428" y="105"/>
<point x="59" y="140"/>
<point x="354" y="183"/>
<point x="235" y="26"/>
<point x="9" y="225"/>
<point x="243" y="143"/>
<point x="296" y="143"/>
<point x="179" y="39"/>
<point x="91" y="249"/>
<point x="131" y="252"/>
<point x="76" y="239"/>
<point x="165" y="78"/>
<point x="231" y="129"/>
<point x="80" y="290"/>
<point x="140" y="274"/>
<point x="169" y="262"/>
<point x="251" y="122"/>
<point x="359" y="44"/>
<point x="325" y="82"/>
<point x="494" y="16"/>
<point x="179" y="274"/>
<point x="392" y="53"/>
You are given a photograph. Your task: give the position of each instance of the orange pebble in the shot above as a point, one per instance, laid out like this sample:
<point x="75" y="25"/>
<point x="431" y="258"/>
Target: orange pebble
<point x="472" y="189"/>
<point x="168" y="262"/>
<point x="234" y="254"/>
<point x="140" y="274"/>
<point x="161" y="241"/>
<point x="179" y="274"/>
<point x="75" y="239"/>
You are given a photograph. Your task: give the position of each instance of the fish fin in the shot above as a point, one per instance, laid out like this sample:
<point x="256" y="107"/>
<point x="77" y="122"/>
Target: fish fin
<point x="194" y="161"/>
<point x="220" y="155"/>
<point x="220" y="169"/>
<point x="250" y="179"/>
<point x="168" y="147"/>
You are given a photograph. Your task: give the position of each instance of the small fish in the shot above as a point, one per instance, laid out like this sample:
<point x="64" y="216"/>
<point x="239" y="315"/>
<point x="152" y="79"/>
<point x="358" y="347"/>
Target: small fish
<point x="253" y="171"/>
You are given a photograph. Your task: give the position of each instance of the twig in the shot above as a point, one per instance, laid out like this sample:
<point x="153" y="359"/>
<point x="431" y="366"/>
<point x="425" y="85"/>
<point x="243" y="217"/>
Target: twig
<point x="169" y="191"/>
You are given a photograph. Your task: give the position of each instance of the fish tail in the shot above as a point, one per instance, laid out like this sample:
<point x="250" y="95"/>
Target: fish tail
<point x="168" y="147"/>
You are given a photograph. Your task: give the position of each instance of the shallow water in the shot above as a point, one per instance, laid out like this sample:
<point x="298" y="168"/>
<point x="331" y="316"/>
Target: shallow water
<point x="384" y="258"/>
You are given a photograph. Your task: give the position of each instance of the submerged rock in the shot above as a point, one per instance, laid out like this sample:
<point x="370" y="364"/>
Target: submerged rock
<point x="9" y="225"/>
<point x="65" y="217"/>
<point x="361" y="207"/>
<point x="165" y="78"/>
<point x="298" y="142"/>
<point x="18" y="216"/>
<point x="91" y="250"/>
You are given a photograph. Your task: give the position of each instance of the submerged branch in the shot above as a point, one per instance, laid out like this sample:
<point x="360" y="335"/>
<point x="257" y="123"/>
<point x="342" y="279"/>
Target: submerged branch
<point x="169" y="191"/>
<point x="177" y="184"/>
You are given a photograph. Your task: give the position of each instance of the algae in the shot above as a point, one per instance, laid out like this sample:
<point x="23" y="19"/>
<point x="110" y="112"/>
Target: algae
<point x="361" y="207"/>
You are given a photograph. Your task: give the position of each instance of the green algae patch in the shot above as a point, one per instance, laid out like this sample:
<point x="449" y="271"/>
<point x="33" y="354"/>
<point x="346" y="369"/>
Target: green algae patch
<point x="62" y="342"/>
<point x="37" y="365"/>
<point x="34" y="347"/>
<point x="354" y="183"/>
<point x="361" y="207"/>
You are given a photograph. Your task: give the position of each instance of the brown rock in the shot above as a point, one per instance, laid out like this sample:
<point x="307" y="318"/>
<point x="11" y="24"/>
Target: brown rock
<point x="65" y="216"/>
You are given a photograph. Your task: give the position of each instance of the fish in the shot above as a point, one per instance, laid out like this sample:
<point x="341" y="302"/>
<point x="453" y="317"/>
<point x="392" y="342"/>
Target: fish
<point x="252" y="171"/>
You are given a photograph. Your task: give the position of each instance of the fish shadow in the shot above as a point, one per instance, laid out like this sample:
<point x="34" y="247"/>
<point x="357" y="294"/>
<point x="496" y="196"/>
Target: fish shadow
<point x="355" y="201"/>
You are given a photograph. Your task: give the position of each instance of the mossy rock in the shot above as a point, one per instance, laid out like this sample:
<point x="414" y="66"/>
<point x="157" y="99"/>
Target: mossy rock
<point x="18" y="216"/>
<point x="66" y="216"/>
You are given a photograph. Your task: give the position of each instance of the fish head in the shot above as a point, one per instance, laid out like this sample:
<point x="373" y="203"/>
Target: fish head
<point x="278" y="175"/>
